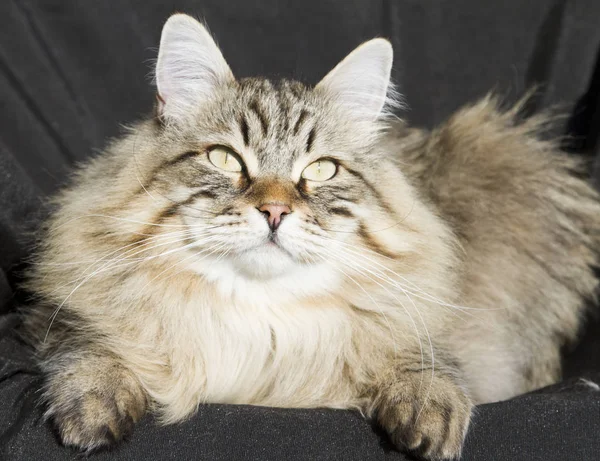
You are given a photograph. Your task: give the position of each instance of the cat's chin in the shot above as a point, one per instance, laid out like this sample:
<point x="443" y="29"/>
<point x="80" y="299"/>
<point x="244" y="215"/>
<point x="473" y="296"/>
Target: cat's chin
<point x="262" y="263"/>
<point x="265" y="262"/>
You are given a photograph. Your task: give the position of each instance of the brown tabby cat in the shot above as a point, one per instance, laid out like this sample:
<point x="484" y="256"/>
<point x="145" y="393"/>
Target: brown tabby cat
<point x="273" y="244"/>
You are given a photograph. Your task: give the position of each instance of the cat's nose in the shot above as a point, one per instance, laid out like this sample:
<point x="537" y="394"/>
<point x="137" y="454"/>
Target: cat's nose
<point x="274" y="213"/>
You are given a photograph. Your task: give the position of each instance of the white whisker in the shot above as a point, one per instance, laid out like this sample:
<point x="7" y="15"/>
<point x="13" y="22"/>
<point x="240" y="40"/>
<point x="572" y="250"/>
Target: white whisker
<point x="104" y="268"/>
<point x="135" y="245"/>
<point x="403" y="307"/>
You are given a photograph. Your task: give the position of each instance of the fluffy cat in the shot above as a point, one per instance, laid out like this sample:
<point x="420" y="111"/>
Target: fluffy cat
<point x="273" y="244"/>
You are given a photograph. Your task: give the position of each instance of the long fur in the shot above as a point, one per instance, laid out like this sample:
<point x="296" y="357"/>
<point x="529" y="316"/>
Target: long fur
<point x="436" y="270"/>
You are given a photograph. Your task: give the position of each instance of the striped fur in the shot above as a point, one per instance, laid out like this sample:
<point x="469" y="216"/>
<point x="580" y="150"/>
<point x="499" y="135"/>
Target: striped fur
<point x="435" y="270"/>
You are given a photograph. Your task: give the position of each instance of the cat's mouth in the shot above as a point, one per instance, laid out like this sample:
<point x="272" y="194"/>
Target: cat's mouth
<point x="265" y="259"/>
<point x="274" y="244"/>
<point x="272" y="239"/>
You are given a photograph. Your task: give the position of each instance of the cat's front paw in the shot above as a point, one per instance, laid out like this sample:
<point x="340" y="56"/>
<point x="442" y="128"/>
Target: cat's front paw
<point x="93" y="420"/>
<point x="427" y="417"/>
<point x="92" y="412"/>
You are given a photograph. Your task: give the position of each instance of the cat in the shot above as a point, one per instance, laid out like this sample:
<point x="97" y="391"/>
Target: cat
<point x="276" y="244"/>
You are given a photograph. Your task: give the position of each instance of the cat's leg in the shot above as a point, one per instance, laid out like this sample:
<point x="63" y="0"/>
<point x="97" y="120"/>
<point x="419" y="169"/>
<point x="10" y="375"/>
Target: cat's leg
<point x="92" y="398"/>
<point x="422" y="405"/>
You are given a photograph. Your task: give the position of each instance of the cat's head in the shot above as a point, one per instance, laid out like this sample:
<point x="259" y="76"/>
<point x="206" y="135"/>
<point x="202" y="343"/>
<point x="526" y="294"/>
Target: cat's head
<point x="270" y="176"/>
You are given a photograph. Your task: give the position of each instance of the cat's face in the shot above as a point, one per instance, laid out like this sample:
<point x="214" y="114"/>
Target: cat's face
<point x="268" y="176"/>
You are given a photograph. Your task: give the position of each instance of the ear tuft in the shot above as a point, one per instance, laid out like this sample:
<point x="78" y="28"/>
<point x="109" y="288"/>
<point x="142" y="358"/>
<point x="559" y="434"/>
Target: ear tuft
<point x="361" y="81"/>
<point x="189" y="68"/>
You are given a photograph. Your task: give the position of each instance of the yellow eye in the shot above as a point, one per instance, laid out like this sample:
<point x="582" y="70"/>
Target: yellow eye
<point x="224" y="159"/>
<point x="321" y="170"/>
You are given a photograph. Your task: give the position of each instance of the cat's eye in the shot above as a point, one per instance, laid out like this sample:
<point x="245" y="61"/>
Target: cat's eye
<point x="225" y="159"/>
<point x="321" y="170"/>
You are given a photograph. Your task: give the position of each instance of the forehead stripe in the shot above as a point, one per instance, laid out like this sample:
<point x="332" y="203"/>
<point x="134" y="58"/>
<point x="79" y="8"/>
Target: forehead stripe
<point x="244" y="129"/>
<point x="300" y="121"/>
<point x="254" y="107"/>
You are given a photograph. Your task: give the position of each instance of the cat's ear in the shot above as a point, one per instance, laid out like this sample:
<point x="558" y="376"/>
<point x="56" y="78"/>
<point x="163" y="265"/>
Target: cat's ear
<point x="361" y="81"/>
<point x="189" y="68"/>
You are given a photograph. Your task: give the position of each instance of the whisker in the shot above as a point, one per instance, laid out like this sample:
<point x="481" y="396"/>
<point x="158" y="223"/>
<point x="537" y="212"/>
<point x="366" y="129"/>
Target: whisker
<point x="102" y="269"/>
<point x="426" y="296"/>
<point x="420" y="344"/>
<point x="216" y="247"/>
<point x="373" y="300"/>
<point x="136" y="246"/>
<point x="116" y="218"/>
<point x="405" y="310"/>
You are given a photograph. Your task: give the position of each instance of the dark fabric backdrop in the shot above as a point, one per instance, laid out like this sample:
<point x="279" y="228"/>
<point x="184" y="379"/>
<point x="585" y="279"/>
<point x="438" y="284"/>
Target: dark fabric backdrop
<point x="72" y="71"/>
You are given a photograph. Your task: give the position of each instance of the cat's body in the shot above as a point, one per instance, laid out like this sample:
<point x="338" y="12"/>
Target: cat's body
<point x="431" y="271"/>
<point x="527" y="229"/>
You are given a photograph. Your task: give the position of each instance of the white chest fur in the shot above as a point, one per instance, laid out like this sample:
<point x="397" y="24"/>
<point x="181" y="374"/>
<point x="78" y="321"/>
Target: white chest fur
<point x="255" y="344"/>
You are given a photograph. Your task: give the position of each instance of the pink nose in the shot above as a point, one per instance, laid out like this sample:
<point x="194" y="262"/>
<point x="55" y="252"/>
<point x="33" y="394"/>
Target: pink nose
<point x="274" y="213"/>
